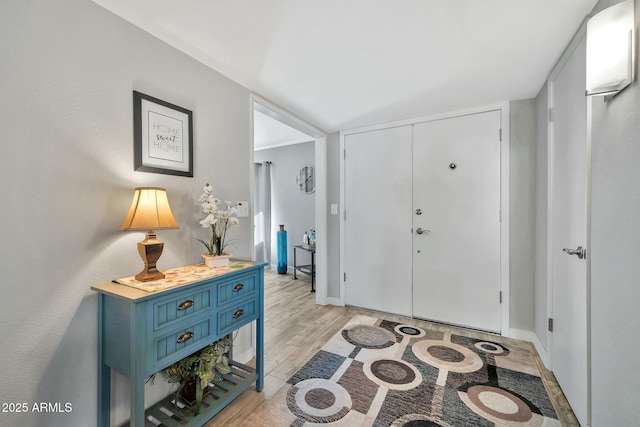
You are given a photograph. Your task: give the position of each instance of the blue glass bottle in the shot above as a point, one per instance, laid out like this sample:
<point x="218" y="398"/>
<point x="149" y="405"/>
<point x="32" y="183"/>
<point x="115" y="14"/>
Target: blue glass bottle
<point x="282" y="250"/>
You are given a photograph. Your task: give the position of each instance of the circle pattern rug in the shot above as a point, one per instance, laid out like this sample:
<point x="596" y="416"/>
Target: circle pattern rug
<point x="319" y="400"/>
<point x="410" y="331"/>
<point x="447" y="355"/>
<point x="381" y="373"/>
<point x="368" y="336"/>
<point x="491" y="348"/>
<point x="393" y="374"/>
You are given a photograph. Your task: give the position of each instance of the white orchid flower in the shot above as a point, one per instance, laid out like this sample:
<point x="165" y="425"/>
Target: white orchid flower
<point x="208" y="207"/>
<point x="218" y="220"/>
<point x="204" y="197"/>
<point x="208" y="221"/>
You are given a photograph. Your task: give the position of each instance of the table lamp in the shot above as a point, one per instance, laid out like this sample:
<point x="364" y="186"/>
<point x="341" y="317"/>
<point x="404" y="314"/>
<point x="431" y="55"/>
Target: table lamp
<point x="149" y="211"/>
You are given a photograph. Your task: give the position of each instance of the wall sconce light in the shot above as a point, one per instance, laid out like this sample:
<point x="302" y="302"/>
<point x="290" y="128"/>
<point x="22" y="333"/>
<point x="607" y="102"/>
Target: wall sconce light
<point x="149" y="210"/>
<point x="610" y="50"/>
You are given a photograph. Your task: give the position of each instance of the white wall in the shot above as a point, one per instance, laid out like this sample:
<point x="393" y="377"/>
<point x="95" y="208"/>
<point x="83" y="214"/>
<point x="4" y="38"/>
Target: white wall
<point x="289" y="205"/>
<point x="522" y="192"/>
<point x="615" y="251"/>
<point x="541" y="218"/>
<point x="333" y="226"/>
<point x="68" y="71"/>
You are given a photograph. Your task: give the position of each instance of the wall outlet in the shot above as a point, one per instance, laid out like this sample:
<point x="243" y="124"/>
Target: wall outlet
<point x="334" y="209"/>
<point x="243" y="209"/>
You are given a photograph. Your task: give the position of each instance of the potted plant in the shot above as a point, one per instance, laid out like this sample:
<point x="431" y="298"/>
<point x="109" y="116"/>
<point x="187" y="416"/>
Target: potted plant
<point x="219" y="221"/>
<point x="196" y="371"/>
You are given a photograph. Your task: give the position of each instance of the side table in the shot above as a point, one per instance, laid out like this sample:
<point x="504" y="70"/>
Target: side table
<point x="309" y="269"/>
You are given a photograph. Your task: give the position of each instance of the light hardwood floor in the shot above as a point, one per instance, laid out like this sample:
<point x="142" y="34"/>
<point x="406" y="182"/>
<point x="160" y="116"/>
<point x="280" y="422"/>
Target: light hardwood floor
<point x="295" y="328"/>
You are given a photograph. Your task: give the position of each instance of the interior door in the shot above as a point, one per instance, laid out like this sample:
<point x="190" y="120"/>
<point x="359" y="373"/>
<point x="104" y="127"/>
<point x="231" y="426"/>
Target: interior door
<point x="456" y="220"/>
<point x="569" y="230"/>
<point x="378" y="220"/>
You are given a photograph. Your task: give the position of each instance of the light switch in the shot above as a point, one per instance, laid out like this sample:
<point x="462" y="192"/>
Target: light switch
<point x="243" y="209"/>
<point x="334" y="209"/>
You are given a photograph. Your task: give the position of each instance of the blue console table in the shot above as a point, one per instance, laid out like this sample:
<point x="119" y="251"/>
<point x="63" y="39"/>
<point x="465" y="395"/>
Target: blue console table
<point x="141" y="332"/>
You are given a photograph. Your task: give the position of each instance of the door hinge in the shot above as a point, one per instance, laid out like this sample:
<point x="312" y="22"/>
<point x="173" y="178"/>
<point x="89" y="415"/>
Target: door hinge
<point x="500" y="135"/>
<point x="500" y="297"/>
<point x="500" y="215"/>
<point x="344" y="214"/>
<point x="550" y="118"/>
<point x="550" y="324"/>
<point x="344" y="154"/>
<point x="344" y="277"/>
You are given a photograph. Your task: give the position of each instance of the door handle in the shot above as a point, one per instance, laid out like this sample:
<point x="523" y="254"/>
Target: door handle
<point x="419" y="230"/>
<point x="580" y="251"/>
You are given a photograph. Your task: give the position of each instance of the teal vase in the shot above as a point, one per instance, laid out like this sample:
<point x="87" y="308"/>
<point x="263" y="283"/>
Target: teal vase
<point x="282" y="250"/>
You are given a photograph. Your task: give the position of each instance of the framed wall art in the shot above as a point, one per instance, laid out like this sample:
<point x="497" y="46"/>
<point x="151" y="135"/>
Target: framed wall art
<point x="162" y="136"/>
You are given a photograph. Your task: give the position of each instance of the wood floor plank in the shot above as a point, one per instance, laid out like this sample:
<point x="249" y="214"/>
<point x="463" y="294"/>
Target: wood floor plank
<point x="295" y="328"/>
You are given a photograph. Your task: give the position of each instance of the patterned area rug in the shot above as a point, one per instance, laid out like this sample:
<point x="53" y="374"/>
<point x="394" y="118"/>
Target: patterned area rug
<point x="380" y="373"/>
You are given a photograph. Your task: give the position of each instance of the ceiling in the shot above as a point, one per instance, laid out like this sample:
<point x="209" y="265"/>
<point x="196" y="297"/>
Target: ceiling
<point x="340" y="64"/>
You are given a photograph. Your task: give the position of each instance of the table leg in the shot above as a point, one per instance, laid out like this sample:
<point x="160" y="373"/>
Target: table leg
<point x="260" y="351"/>
<point x="136" y="399"/>
<point x="313" y="271"/>
<point x="104" y="372"/>
<point x="295" y="266"/>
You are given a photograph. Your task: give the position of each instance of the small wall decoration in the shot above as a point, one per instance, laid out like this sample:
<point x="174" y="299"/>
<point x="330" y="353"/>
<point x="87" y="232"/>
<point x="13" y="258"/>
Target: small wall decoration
<point x="162" y="136"/>
<point x="306" y="179"/>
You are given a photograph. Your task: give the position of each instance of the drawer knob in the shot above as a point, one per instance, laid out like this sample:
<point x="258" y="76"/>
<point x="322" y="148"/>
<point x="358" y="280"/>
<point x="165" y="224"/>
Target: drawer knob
<point x="238" y="313"/>
<point x="185" y="337"/>
<point x="186" y="304"/>
<point x="238" y="287"/>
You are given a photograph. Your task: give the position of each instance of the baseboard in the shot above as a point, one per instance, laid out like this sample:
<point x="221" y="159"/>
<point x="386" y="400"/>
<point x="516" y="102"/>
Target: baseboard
<point x="244" y="356"/>
<point x="521" y="334"/>
<point x="334" y="301"/>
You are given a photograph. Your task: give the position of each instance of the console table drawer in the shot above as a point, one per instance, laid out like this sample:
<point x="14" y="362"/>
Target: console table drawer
<point x="235" y="289"/>
<point x="237" y="315"/>
<point x="180" y="307"/>
<point x="190" y="337"/>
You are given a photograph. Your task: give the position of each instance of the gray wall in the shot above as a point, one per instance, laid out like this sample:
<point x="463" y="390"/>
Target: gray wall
<point x="615" y="250"/>
<point x="333" y="226"/>
<point x="68" y="71"/>
<point x="289" y="205"/>
<point x="522" y="181"/>
<point x="541" y="314"/>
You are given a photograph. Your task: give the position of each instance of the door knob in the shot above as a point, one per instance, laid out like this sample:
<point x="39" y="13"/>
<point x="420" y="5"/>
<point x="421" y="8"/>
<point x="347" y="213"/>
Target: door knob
<point x="580" y="251"/>
<point x="421" y="231"/>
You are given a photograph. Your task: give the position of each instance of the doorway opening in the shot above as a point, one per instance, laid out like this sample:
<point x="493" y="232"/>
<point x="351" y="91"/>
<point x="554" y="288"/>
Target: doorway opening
<point x="289" y="171"/>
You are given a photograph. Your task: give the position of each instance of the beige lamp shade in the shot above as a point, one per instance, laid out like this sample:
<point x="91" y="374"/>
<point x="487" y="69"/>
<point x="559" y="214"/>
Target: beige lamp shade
<point x="149" y="211"/>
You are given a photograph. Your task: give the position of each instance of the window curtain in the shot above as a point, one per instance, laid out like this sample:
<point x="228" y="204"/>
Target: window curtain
<point x="262" y="219"/>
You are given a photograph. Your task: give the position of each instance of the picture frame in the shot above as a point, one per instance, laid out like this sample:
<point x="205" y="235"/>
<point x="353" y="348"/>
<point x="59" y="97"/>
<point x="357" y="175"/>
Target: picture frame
<point x="162" y="136"/>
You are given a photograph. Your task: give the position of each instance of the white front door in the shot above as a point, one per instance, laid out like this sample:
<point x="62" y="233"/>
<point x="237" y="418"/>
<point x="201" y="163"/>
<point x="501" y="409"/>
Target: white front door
<point x="569" y="230"/>
<point x="378" y="220"/>
<point x="456" y="220"/>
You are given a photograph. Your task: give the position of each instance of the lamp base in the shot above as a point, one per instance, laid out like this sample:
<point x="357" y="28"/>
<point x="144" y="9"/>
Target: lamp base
<point x="150" y="250"/>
